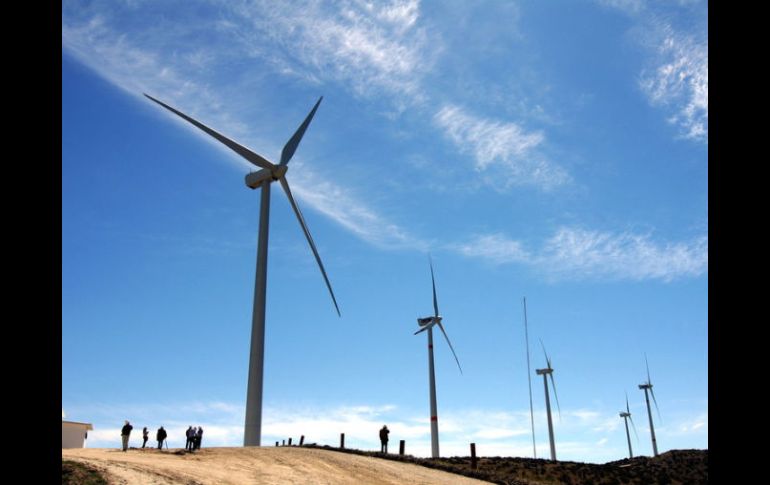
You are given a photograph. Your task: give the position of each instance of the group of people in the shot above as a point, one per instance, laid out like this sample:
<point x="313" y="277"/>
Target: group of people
<point x="125" y="433"/>
<point x="194" y="437"/>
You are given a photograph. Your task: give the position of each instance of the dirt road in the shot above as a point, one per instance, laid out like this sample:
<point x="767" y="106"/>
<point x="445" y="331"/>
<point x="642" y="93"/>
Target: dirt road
<point x="255" y="466"/>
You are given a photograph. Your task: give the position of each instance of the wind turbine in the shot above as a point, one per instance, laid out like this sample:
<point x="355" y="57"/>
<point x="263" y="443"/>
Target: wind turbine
<point x="548" y="371"/>
<point x="268" y="174"/>
<point x="648" y="386"/>
<point x="428" y="323"/>
<point x="626" y="416"/>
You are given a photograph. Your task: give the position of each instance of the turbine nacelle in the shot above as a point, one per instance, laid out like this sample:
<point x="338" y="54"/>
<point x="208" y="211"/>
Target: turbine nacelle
<point x="254" y="179"/>
<point x="645" y="386"/>
<point x="625" y="415"/>
<point x="428" y="321"/>
<point x="540" y="372"/>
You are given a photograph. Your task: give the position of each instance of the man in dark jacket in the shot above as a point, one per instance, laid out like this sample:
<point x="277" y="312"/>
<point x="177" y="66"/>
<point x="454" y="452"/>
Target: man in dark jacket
<point x="384" y="439"/>
<point x="160" y="437"/>
<point x="125" y="433"/>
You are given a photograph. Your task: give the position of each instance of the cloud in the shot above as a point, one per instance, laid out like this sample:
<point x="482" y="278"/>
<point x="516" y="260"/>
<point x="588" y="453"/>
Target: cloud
<point x="500" y="148"/>
<point x="372" y="47"/>
<point x="627" y="6"/>
<point x="348" y="210"/>
<point x="680" y="82"/>
<point x="583" y="434"/>
<point x="494" y="247"/>
<point x="573" y="253"/>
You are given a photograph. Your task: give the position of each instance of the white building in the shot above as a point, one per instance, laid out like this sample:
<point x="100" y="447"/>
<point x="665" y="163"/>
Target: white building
<point x="73" y="434"/>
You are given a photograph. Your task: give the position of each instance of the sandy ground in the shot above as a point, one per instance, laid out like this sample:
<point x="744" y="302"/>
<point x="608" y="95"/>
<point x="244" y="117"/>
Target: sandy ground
<point x="251" y="466"/>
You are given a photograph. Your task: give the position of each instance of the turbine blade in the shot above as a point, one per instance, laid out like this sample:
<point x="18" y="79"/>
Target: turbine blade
<point x="293" y="143"/>
<point x="634" y="426"/>
<point x="433" y="280"/>
<point x="627" y="409"/>
<point x="252" y="157"/>
<point x="426" y="327"/>
<point x="656" y="403"/>
<point x="450" y="346"/>
<point x="285" y="185"/>
<point x="547" y="360"/>
<point x="649" y="381"/>
<point x="553" y="384"/>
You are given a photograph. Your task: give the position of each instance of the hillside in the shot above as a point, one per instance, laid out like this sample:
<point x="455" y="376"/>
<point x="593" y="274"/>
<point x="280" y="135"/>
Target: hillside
<point x="326" y="465"/>
<point x="254" y="466"/>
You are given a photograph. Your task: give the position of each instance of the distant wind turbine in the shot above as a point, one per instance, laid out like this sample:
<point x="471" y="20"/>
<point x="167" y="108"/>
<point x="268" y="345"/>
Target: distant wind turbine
<point x="428" y="323"/>
<point x="548" y="371"/>
<point x="268" y="174"/>
<point x="648" y="386"/>
<point x="626" y="416"/>
<point x="529" y="381"/>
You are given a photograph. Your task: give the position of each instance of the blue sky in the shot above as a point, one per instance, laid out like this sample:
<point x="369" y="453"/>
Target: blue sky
<point x="553" y="150"/>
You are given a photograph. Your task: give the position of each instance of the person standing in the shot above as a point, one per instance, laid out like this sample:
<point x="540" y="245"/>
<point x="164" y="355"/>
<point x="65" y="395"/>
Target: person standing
<point x="161" y="436"/>
<point x="384" y="439"/>
<point x="145" y="436"/>
<point x="125" y="433"/>
<point x="198" y="437"/>
<point x="190" y="434"/>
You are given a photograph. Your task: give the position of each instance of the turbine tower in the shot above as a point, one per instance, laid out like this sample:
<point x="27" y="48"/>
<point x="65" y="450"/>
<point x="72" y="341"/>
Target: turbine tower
<point x="428" y="323"/>
<point x="268" y="174"/>
<point x="548" y="371"/>
<point x="648" y="386"/>
<point x="626" y="416"/>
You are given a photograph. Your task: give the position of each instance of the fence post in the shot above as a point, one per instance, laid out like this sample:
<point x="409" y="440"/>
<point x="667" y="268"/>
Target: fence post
<point x="276" y="443"/>
<point x="401" y="446"/>
<point x="289" y="441"/>
<point x="283" y="443"/>
<point x="301" y="439"/>
<point x="473" y="456"/>
<point x="342" y="440"/>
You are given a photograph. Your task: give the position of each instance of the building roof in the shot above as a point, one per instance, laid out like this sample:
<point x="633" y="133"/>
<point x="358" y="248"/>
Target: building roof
<point x="88" y="426"/>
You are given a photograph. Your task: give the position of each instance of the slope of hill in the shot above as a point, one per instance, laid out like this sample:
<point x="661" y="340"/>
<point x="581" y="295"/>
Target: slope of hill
<point x="258" y="466"/>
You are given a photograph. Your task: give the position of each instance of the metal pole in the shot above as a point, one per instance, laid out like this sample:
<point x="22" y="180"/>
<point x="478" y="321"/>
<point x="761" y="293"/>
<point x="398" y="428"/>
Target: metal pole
<point x="252" y="434"/>
<point x="342" y="440"/>
<point x="401" y="446"/>
<point x="473" y="456"/>
<point x="548" y="412"/>
<point x="628" y="437"/>
<point x="433" y="411"/>
<point x="652" y="428"/>
<point x="529" y="382"/>
<point x="301" y="440"/>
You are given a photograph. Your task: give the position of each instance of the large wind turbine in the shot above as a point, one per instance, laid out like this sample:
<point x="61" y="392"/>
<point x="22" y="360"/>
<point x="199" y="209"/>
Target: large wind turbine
<point x="268" y="174"/>
<point x="548" y="371"/>
<point x="428" y="323"/>
<point x="648" y="386"/>
<point x="626" y="416"/>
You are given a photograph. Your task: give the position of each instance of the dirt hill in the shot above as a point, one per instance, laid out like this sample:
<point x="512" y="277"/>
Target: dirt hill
<point x="326" y="465"/>
<point x="254" y="466"/>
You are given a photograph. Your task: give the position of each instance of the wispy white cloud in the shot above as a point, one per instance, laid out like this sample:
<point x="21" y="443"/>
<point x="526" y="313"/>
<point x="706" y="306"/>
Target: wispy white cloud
<point x="628" y="6"/>
<point x="369" y="46"/>
<point x="677" y="78"/>
<point x="348" y="210"/>
<point x="680" y="82"/>
<point x="500" y="148"/>
<point x="573" y="253"/>
<point x="494" y="247"/>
